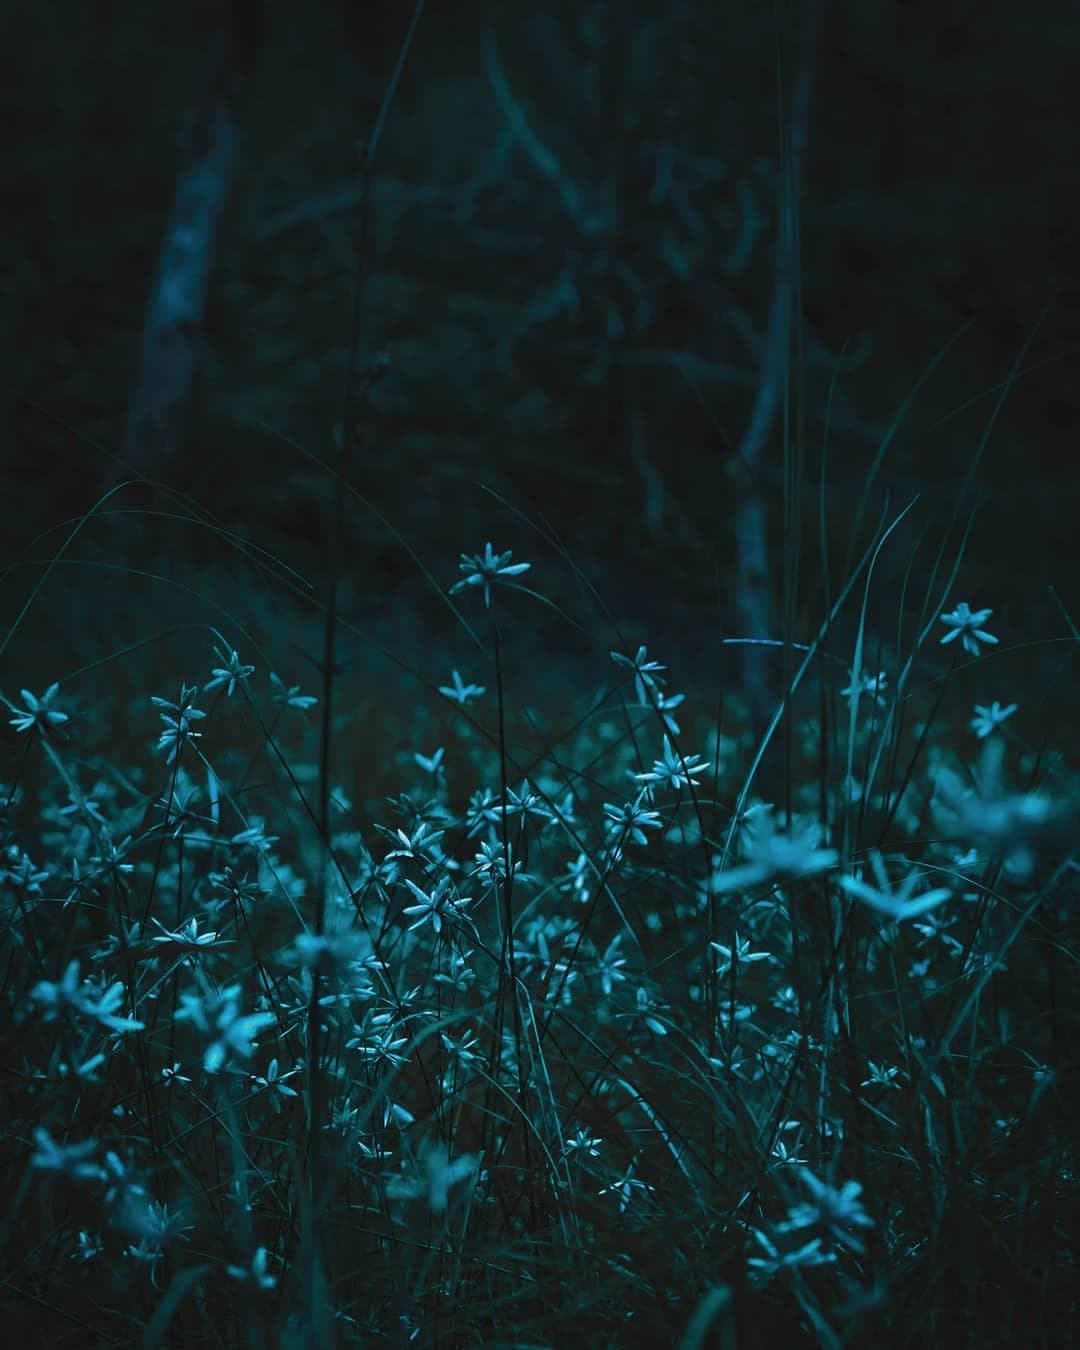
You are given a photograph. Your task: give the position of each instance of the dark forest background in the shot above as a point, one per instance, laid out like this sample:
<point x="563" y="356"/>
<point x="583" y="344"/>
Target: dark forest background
<point x="695" y="301"/>
<point x="570" y="256"/>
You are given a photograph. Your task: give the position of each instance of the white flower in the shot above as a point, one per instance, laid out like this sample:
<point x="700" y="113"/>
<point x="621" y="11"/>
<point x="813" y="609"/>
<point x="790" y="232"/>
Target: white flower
<point x="770" y="855"/>
<point x="257" y="1273"/>
<point x="37" y="712"/>
<point x="72" y="1160"/>
<point x="274" y="1084"/>
<point x="993" y="818"/>
<point x="784" y="1157"/>
<point x="774" y="1260"/>
<point x="156" y="1225"/>
<point x="216" y="1013"/>
<point x="648" y="686"/>
<point x="872" y="685"/>
<point x="332" y="954"/>
<point x="490" y="863"/>
<point x="424" y="836"/>
<point x="461" y="693"/>
<point x="231" y="672"/>
<point x="482" y="569"/>
<point x="185" y="941"/>
<point x="610" y="965"/>
<point x="436" y="905"/>
<point x="625" y="1187"/>
<point x="178" y="719"/>
<point x="986" y="719"/>
<point x="582" y="1142"/>
<point x="54" y="996"/>
<point x="894" y="903"/>
<point x="630" y="820"/>
<point x="742" y="954"/>
<point x="646" y="672"/>
<point x="526" y="802"/>
<point x="90" y="1245"/>
<point x="434" y="1178"/>
<point x="18" y="870"/>
<point x="460" y="976"/>
<point x="881" y="1075"/>
<point x="90" y="998"/>
<point x="968" y="627"/>
<point x="289" y="696"/>
<point x="834" y="1211"/>
<point x="676" y="770"/>
<point x="431" y="764"/>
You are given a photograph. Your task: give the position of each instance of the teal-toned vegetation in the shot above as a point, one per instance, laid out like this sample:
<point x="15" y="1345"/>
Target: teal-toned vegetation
<point x="524" y="953"/>
<point x="525" y="1024"/>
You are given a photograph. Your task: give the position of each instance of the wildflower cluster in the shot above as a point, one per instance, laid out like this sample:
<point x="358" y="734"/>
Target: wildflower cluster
<point x="543" y="997"/>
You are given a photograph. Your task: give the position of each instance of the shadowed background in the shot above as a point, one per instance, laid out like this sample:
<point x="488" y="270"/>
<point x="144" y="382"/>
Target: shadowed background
<point x="573" y="217"/>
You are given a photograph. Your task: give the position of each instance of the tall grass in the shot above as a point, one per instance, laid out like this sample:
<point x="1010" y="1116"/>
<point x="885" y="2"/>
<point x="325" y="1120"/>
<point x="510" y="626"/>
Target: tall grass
<point x="537" y="1026"/>
<point x="446" y="1004"/>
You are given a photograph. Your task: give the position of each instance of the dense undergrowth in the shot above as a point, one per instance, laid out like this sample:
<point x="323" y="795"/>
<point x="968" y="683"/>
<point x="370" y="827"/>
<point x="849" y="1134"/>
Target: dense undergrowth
<point x="425" y="970"/>
<point x="473" y="1014"/>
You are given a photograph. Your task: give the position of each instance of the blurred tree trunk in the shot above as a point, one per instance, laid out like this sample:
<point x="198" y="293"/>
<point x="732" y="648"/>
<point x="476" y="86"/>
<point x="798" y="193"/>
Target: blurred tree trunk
<point x="755" y="569"/>
<point x="174" y="323"/>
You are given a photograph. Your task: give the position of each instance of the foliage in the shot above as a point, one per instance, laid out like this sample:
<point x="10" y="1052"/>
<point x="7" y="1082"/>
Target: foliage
<point x="602" y="1041"/>
<point x="377" y="970"/>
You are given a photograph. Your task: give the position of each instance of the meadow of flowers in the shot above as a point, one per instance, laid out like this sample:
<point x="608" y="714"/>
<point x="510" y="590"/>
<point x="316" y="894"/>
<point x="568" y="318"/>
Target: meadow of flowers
<point x="546" y="1030"/>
